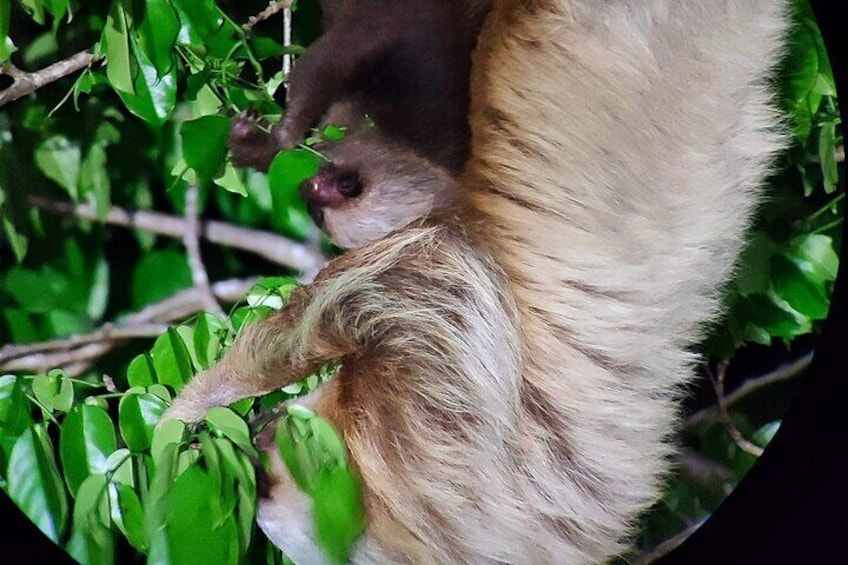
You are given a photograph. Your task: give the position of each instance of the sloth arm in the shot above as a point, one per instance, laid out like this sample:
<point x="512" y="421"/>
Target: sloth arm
<point x="330" y="319"/>
<point x="324" y="75"/>
<point x="284" y="348"/>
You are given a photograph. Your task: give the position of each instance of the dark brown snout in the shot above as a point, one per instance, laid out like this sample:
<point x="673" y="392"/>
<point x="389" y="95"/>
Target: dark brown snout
<point x="329" y="188"/>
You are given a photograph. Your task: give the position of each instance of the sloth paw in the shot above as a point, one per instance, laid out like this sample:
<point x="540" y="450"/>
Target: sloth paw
<point x="250" y="145"/>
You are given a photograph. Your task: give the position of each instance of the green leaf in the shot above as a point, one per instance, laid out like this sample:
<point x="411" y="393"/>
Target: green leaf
<point x="265" y="48"/>
<point x="827" y="156"/>
<point x="205" y="29"/>
<point x="32" y="290"/>
<point x="205" y="145"/>
<point x="761" y="312"/>
<point x="5" y="16"/>
<point x="16" y="240"/>
<point x="141" y="371"/>
<point x="34" y="483"/>
<point x="157" y="33"/>
<point x="164" y="453"/>
<point x="20" y="325"/>
<point x="330" y="442"/>
<point x="193" y="514"/>
<point x="138" y="415"/>
<point x="160" y="391"/>
<point x="766" y="433"/>
<point x="333" y="133"/>
<point x="54" y="391"/>
<point x="227" y="423"/>
<point x="98" y="296"/>
<point x="15" y="416"/>
<point x="803" y="293"/>
<point x="245" y="316"/>
<point x="172" y="432"/>
<point x="171" y="360"/>
<point x="94" y="180"/>
<point x="158" y="275"/>
<point x="154" y="97"/>
<point x="91" y="539"/>
<point x="339" y="512"/>
<point x="115" y="42"/>
<point x="288" y="171"/>
<point x="208" y="334"/>
<point x="35" y="8"/>
<point x="754" y="276"/>
<point x="186" y="333"/>
<point x="119" y="466"/>
<point x="231" y="180"/>
<point x="86" y="440"/>
<point x="315" y="456"/>
<point x="273" y="292"/>
<point x="62" y="322"/>
<point x="128" y="515"/>
<point x="7" y="47"/>
<point x="814" y="254"/>
<point x="802" y="69"/>
<point x="238" y="465"/>
<point x="59" y="159"/>
<point x="57" y="8"/>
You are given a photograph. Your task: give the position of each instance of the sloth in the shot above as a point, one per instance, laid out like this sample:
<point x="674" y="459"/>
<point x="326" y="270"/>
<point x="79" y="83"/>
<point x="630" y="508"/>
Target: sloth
<point x="512" y="358"/>
<point x="402" y="63"/>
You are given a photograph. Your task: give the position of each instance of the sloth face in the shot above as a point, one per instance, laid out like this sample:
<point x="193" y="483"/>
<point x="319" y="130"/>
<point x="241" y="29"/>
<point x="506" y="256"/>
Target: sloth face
<point x="372" y="187"/>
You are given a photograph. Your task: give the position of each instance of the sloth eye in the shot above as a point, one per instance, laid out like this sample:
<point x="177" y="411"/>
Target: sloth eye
<point x="350" y="185"/>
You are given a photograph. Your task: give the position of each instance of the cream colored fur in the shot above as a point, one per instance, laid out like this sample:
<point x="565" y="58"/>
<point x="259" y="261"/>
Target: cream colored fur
<point x="510" y="369"/>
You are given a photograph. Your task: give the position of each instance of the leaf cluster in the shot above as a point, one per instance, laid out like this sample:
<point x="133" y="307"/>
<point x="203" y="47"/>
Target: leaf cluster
<point x="98" y="473"/>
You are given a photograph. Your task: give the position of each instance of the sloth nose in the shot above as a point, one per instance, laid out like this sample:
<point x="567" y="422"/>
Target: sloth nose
<point x="331" y="187"/>
<point x="322" y="190"/>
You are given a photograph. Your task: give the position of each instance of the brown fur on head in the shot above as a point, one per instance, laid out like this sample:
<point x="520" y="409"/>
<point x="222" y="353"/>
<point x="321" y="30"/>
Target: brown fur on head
<point x="369" y="189"/>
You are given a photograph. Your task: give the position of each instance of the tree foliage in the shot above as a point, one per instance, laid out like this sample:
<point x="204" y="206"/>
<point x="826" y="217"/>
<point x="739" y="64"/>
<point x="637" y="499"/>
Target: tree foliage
<point x="141" y="126"/>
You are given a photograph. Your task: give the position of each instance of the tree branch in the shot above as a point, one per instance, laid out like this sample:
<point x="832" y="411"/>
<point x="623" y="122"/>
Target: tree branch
<point x="76" y="354"/>
<point x="191" y="242"/>
<point x="783" y="373"/>
<point x="273" y="8"/>
<point x="273" y="247"/>
<point x="666" y="546"/>
<point x="26" y="83"/>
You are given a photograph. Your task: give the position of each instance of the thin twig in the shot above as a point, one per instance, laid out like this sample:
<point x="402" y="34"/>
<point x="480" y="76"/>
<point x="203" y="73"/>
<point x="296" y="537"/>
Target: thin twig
<point x="106" y="332"/>
<point x="718" y="384"/>
<point x="76" y="354"/>
<point x="26" y="83"/>
<point x="273" y="8"/>
<point x="783" y="373"/>
<point x="191" y="242"/>
<point x="666" y="546"/>
<point x="275" y="248"/>
<point x="704" y="471"/>
<point x="287" y="39"/>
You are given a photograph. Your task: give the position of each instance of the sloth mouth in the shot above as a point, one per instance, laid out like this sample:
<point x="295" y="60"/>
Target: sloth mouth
<point x="316" y="212"/>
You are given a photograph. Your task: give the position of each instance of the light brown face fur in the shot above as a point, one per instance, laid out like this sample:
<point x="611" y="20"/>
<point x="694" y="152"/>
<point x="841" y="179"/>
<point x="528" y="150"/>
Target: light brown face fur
<point x="371" y="188"/>
<point x="511" y="369"/>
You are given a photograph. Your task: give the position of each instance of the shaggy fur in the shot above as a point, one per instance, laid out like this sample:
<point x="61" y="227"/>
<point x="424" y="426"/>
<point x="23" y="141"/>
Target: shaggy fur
<point x="511" y="364"/>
